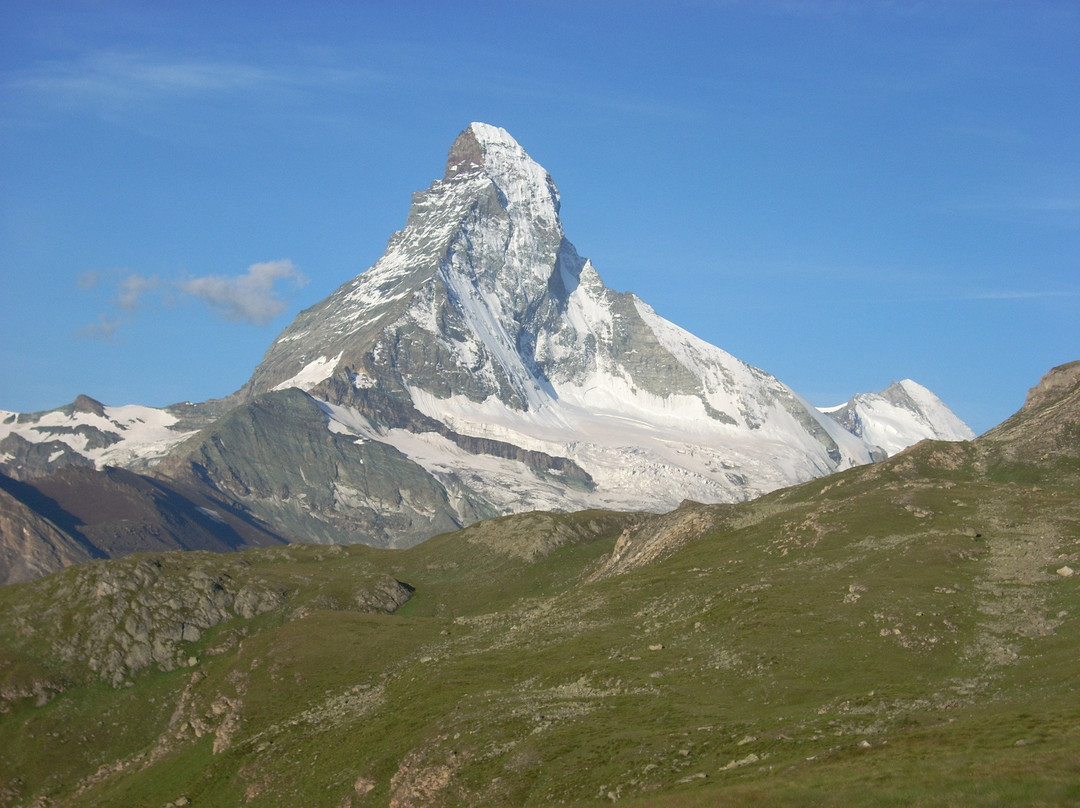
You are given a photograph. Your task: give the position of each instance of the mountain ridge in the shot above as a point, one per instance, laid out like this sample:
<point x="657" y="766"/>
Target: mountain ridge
<point x="480" y="367"/>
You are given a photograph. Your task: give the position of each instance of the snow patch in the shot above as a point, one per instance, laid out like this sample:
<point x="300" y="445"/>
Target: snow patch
<point x="361" y="381"/>
<point x="318" y="370"/>
<point x="211" y="514"/>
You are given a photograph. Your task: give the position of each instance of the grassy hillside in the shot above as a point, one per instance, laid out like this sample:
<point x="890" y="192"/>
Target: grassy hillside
<point x="905" y="633"/>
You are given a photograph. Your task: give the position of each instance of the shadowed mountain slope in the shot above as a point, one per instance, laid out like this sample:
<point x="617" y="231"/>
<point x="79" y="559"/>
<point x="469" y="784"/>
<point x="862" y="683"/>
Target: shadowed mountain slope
<point x="78" y="513"/>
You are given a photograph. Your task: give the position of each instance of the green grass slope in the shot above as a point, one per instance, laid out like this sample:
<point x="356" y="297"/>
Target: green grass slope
<point x="900" y="634"/>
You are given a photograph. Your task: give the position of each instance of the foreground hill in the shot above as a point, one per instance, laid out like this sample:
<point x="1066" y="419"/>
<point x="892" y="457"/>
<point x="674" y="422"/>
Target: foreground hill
<point x="899" y="633"/>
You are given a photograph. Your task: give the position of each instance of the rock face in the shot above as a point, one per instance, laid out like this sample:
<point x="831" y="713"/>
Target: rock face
<point x="31" y="545"/>
<point x="645" y="543"/>
<point x="276" y="456"/>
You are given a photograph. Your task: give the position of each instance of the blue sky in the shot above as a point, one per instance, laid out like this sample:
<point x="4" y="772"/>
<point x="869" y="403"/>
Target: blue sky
<point x="842" y="193"/>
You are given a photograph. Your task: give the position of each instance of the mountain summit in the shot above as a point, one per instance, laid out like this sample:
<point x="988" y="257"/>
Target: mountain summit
<point x="482" y="332"/>
<point x="890" y="418"/>
<point x="481" y="263"/>
<point x="480" y="367"/>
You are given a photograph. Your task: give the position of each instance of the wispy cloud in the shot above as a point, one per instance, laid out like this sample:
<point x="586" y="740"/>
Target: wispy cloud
<point x="129" y="288"/>
<point x="254" y="297"/>
<point x="119" y="84"/>
<point x="132" y="289"/>
<point x="129" y="76"/>
<point x="1020" y="295"/>
<point x="118" y="77"/>
<point x="251" y="297"/>
<point x="104" y="329"/>
<point x="89" y="279"/>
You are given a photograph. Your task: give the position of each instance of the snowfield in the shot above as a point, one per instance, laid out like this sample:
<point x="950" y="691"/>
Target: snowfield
<point x="130" y="433"/>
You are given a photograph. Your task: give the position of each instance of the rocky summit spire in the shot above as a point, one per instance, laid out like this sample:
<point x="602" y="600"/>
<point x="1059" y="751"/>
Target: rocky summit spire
<point x="466" y="154"/>
<point x="480" y="265"/>
<point x="524" y="183"/>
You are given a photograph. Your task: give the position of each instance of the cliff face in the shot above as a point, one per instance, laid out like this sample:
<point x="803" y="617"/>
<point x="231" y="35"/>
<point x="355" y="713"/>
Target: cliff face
<point x="276" y="458"/>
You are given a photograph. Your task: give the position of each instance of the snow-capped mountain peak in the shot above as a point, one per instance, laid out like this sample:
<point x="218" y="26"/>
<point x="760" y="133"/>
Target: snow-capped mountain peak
<point x="481" y="258"/>
<point x="482" y="317"/>
<point x="526" y="186"/>
<point x="87" y="433"/>
<point x="902" y="414"/>
<point x="481" y="366"/>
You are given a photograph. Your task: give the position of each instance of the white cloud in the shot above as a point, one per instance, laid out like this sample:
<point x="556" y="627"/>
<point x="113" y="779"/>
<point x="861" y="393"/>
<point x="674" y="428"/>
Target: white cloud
<point x="103" y="330"/>
<point x="132" y="288"/>
<point x="251" y="297"/>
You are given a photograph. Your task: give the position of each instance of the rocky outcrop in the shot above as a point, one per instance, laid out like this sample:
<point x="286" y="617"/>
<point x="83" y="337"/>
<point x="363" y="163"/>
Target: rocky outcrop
<point x="656" y="537"/>
<point x="1058" y="387"/>
<point x="1048" y="425"/>
<point x="120" y="617"/>
<point x="131" y="615"/>
<point x="530" y="536"/>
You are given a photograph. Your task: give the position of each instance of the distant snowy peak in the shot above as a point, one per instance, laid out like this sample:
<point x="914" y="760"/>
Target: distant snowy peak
<point x="901" y="415"/>
<point x="87" y="433"/>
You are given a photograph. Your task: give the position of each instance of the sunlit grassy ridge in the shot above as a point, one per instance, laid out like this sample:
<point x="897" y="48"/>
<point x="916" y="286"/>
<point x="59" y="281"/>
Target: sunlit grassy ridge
<point x="897" y="634"/>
